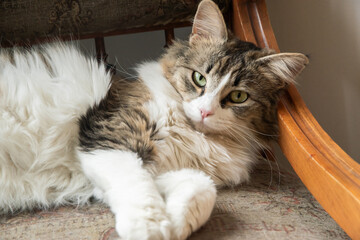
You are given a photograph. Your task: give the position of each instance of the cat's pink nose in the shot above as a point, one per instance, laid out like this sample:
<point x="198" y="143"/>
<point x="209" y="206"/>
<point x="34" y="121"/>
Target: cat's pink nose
<point x="205" y="113"/>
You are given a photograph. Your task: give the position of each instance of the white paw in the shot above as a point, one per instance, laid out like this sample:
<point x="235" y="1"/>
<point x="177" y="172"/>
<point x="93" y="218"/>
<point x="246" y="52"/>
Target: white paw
<point x="147" y="225"/>
<point x="190" y="198"/>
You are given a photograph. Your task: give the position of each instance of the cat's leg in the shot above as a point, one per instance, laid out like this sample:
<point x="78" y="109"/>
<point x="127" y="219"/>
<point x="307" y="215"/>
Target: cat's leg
<point x="130" y="191"/>
<point x="190" y="198"/>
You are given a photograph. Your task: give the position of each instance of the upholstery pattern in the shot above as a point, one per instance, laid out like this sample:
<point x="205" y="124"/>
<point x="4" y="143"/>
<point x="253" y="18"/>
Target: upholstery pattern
<point x="26" y="21"/>
<point x="265" y="208"/>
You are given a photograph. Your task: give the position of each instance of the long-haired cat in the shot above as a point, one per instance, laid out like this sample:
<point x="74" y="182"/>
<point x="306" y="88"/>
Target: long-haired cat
<point x="152" y="148"/>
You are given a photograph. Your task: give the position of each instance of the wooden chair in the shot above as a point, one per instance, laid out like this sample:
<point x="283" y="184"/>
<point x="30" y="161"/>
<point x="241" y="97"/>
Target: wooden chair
<point x="327" y="171"/>
<point x="331" y="175"/>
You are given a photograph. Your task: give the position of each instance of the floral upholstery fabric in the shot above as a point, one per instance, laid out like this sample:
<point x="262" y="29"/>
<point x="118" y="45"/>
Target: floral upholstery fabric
<point x="265" y="208"/>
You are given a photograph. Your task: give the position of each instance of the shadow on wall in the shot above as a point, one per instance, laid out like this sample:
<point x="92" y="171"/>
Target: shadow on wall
<point x="328" y="30"/>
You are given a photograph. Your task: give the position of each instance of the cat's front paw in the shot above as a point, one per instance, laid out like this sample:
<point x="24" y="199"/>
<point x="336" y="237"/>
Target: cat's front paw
<point x="190" y="198"/>
<point x="146" y="229"/>
<point x="144" y="219"/>
<point x="149" y="225"/>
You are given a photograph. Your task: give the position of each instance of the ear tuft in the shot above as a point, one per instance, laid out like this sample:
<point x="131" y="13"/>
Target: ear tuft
<point x="208" y="22"/>
<point x="287" y="66"/>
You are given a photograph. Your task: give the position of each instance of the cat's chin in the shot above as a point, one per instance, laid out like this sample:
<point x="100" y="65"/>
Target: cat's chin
<point x="204" y="127"/>
<point x="201" y="127"/>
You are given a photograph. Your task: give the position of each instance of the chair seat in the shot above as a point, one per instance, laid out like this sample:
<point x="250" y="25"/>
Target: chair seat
<point x="265" y="208"/>
<point x="269" y="208"/>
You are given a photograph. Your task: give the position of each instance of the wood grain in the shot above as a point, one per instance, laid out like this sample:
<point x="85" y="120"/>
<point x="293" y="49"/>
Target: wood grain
<point x="328" y="172"/>
<point x="241" y="22"/>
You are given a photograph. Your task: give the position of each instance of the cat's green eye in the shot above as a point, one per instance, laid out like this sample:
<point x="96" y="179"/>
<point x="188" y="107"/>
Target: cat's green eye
<point x="238" y="96"/>
<point x="199" y="79"/>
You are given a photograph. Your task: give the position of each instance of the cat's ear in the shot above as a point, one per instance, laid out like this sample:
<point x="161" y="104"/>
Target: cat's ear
<point x="286" y="66"/>
<point x="208" y="22"/>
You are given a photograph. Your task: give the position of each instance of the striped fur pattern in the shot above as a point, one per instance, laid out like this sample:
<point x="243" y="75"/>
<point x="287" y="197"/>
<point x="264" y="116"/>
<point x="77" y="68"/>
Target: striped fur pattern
<point x="153" y="148"/>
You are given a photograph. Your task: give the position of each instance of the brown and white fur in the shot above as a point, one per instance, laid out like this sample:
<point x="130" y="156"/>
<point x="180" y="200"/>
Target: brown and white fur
<point x="152" y="148"/>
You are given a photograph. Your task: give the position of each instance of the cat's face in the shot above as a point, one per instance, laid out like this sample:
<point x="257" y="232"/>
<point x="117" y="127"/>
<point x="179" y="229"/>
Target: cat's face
<point x="228" y="86"/>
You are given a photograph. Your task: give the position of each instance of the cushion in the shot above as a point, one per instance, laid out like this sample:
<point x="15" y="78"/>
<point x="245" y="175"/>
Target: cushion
<point x="272" y="205"/>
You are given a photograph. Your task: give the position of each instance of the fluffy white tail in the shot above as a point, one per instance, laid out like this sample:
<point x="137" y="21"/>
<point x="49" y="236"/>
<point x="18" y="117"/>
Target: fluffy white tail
<point x="43" y="92"/>
<point x="56" y="75"/>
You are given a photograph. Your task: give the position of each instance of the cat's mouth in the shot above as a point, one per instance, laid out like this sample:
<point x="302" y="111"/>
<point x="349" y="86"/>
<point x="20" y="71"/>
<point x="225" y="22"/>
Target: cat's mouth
<point x="200" y="122"/>
<point x="205" y="125"/>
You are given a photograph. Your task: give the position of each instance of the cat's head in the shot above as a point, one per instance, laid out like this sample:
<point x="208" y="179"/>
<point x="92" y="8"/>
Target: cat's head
<point x="228" y="86"/>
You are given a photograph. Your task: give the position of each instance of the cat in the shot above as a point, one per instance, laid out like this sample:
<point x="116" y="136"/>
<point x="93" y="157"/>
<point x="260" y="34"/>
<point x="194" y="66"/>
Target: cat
<point x="152" y="148"/>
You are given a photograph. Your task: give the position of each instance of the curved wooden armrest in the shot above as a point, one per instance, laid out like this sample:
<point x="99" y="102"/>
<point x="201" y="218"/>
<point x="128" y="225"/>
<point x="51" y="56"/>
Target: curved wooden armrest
<point x="327" y="171"/>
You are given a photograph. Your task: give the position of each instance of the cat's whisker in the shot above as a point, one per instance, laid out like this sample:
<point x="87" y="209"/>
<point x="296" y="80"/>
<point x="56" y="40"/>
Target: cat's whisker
<point x="248" y="138"/>
<point x="248" y="128"/>
<point x="263" y="148"/>
<point x="252" y="139"/>
<point x="122" y="70"/>
<point x="243" y="129"/>
<point x="270" y="166"/>
<point x="261" y="133"/>
<point x="260" y="147"/>
<point x="237" y="138"/>
<point x="129" y="76"/>
<point x="255" y="140"/>
<point x="277" y="165"/>
<point x="271" y="169"/>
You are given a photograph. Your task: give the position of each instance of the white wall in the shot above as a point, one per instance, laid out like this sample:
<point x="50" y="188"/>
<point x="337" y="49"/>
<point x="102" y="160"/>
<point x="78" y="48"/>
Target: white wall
<point x="328" y="30"/>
